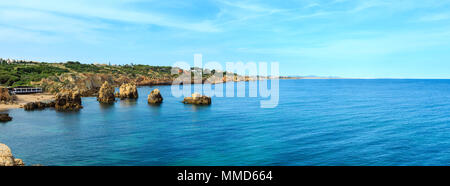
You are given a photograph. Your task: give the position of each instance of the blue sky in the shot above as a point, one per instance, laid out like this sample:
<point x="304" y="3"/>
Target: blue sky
<point x="347" y="38"/>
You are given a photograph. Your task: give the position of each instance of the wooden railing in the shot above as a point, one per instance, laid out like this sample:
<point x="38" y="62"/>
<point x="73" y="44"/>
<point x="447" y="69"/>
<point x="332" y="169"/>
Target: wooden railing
<point x="27" y="90"/>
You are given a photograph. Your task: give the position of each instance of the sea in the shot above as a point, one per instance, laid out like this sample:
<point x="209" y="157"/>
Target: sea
<point x="375" y="122"/>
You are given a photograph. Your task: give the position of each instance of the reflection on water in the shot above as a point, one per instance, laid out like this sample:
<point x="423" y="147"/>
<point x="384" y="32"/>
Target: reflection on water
<point x="106" y="106"/>
<point x="197" y="108"/>
<point x="128" y="102"/>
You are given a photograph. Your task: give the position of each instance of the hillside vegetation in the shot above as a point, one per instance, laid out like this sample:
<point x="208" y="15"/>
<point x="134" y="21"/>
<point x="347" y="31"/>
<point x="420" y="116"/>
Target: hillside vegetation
<point x="23" y="73"/>
<point x="88" y="78"/>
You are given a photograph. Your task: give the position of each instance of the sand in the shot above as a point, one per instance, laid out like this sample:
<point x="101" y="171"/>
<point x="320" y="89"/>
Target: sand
<point x="23" y="99"/>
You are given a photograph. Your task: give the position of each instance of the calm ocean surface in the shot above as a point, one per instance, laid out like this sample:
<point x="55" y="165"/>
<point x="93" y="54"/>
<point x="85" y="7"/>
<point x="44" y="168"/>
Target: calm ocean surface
<point x="317" y="122"/>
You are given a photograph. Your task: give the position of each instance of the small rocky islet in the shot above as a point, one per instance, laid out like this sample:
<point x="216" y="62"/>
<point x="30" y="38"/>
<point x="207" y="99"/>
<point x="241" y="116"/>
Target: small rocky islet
<point x="128" y="91"/>
<point x="155" y="97"/>
<point x="106" y="94"/>
<point x="70" y="100"/>
<point x="197" y="99"/>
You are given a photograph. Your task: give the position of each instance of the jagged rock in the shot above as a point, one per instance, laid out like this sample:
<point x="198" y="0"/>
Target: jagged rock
<point x="5" y="118"/>
<point x="5" y="97"/>
<point x="197" y="99"/>
<point x="38" y="105"/>
<point x="68" y="101"/>
<point x="18" y="162"/>
<point x="128" y="91"/>
<point x="155" y="97"/>
<point x="7" y="158"/>
<point x="106" y="93"/>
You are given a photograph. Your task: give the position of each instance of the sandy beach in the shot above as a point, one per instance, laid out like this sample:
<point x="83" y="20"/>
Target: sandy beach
<point x="26" y="98"/>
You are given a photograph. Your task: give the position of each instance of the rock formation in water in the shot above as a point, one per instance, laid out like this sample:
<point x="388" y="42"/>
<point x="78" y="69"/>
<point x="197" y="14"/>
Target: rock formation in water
<point x="106" y="93"/>
<point x="128" y="91"/>
<point x="5" y="97"/>
<point x="197" y="99"/>
<point x="155" y="97"/>
<point x="68" y="101"/>
<point x="5" y="118"/>
<point x="39" y="105"/>
<point x="6" y="157"/>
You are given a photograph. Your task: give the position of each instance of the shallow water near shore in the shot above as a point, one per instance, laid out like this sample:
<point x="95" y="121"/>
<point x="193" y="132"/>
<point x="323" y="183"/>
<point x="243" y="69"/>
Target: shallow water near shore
<point x="317" y="122"/>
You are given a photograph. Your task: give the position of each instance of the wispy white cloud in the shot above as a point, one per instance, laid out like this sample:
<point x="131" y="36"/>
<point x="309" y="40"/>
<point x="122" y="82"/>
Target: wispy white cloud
<point x="250" y="6"/>
<point x="368" y="47"/>
<point x="13" y="35"/>
<point x="44" y="21"/>
<point x="110" y="10"/>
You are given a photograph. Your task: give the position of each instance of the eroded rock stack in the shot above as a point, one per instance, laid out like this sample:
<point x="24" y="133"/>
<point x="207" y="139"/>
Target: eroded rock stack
<point x="197" y="99"/>
<point x="5" y="97"/>
<point x="106" y="93"/>
<point x="6" y="157"/>
<point x="5" y="118"/>
<point x="128" y="91"/>
<point x="155" y="97"/>
<point x="68" y="101"/>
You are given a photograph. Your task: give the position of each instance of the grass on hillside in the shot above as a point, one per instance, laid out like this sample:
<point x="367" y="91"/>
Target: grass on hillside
<point x="22" y="73"/>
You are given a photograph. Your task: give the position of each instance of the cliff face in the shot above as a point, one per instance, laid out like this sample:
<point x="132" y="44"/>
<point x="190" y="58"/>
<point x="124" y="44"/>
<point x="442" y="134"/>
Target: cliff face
<point x="89" y="84"/>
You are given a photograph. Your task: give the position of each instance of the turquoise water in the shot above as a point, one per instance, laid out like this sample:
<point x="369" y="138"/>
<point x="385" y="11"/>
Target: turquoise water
<point x="317" y="122"/>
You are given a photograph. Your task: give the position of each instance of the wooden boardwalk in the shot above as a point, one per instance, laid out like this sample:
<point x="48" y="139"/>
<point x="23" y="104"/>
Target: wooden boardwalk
<point x="26" y="90"/>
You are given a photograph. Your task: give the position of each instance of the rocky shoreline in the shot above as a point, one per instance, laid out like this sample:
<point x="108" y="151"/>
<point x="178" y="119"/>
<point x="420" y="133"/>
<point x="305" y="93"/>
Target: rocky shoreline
<point x="7" y="158"/>
<point x="70" y="100"/>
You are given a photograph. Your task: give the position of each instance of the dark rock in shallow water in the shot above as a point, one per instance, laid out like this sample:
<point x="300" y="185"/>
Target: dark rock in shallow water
<point x="38" y="105"/>
<point x="5" y="118"/>
<point x="155" y="97"/>
<point x="197" y="99"/>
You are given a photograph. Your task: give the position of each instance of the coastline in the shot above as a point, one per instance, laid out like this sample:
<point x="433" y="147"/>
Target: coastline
<point x="23" y="99"/>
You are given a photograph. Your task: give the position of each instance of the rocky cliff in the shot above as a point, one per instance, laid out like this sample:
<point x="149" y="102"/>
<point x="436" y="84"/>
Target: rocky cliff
<point x="89" y="84"/>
